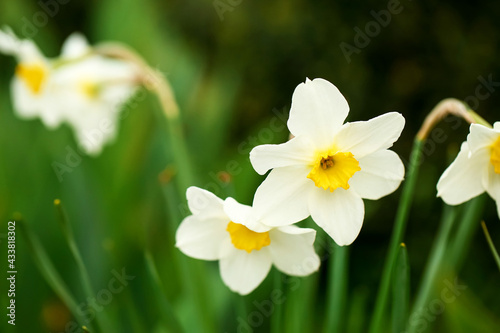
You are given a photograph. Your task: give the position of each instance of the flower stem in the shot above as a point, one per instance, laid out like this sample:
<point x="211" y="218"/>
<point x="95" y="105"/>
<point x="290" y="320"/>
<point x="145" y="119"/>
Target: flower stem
<point x="337" y="294"/>
<point x="276" y="319"/>
<point x="434" y="265"/>
<point x="490" y="243"/>
<point x="442" y="109"/>
<point x="401" y="291"/>
<point x="397" y="235"/>
<point x="154" y="81"/>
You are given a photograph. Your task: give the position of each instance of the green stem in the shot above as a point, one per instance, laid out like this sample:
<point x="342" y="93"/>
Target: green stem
<point x="338" y="275"/>
<point x="102" y="324"/>
<point x="434" y="265"/>
<point x="401" y="291"/>
<point x="182" y="161"/>
<point x="490" y="243"/>
<point x="277" y="317"/>
<point x="397" y="236"/>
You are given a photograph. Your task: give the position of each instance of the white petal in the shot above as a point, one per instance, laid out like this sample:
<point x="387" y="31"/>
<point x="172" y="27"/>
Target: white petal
<point x="365" y="137"/>
<point x="242" y="272"/>
<point x="339" y="213"/>
<point x="496" y="126"/>
<point x="481" y="137"/>
<point x="318" y="110"/>
<point x="463" y="179"/>
<point x="26" y="105"/>
<point x="23" y="49"/>
<point x="292" y="250"/>
<point x="92" y="137"/>
<point x="9" y="43"/>
<point x="381" y="173"/>
<point x="201" y="201"/>
<point x="243" y="214"/>
<point x="493" y="186"/>
<point x="200" y="237"/>
<point x="281" y="199"/>
<point x="297" y="151"/>
<point x="75" y="46"/>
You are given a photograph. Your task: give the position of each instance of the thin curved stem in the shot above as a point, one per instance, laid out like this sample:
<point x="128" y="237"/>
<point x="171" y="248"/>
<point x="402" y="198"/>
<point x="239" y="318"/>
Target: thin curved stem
<point x="154" y="81"/>
<point x="448" y="106"/>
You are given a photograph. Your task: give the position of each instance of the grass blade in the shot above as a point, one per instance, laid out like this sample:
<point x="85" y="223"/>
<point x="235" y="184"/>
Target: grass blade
<point x="401" y="291"/>
<point x="168" y="315"/>
<point x="435" y="264"/>
<point x="102" y="323"/>
<point x="49" y="272"/>
<point x="490" y="243"/>
<point x="467" y="227"/>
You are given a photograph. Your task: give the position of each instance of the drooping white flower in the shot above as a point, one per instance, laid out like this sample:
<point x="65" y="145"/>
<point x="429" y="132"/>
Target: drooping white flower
<point x="246" y="248"/>
<point x="476" y="169"/>
<point x="91" y="92"/>
<point x="79" y="87"/>
<point x="328" y="167"/>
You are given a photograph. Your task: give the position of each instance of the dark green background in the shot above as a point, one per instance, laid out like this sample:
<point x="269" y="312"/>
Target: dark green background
<point x="228" y="76"/>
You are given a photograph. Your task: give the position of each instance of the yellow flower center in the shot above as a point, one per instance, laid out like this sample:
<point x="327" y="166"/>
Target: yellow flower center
<point x="246" y="239"/>
<point x="495" y="155"/>
<point x="89" y="89"/>
<point x="333" y="170"/>
<point x="33" y="76"/>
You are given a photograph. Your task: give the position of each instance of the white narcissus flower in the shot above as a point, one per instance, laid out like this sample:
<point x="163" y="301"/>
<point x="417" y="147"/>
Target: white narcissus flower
<point x="476" y="169"/>
<point x="92" y="91"/>
<point x="85" y="90"/>
<point x="328" y="167"/>
<point x="246" y="248"/>
<point x="31" y="79"/>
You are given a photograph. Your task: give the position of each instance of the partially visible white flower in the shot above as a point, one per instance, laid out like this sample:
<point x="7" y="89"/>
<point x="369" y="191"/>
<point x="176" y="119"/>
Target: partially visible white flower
<point x="31" y="78"/>
<point x="246" y="249"/>
<point x="79" y="87"/>
<point x="476" y="169"/>
<point x="327" y="168"/>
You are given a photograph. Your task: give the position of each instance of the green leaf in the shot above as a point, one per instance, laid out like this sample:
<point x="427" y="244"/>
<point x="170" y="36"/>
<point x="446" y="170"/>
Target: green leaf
<point x="397" y="236"/>
<point x="401" y="291"/>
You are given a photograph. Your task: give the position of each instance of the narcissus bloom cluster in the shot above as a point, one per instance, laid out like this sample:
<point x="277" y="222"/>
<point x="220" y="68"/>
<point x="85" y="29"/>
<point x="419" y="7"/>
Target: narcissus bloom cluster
<point x="79" y="87"/>
<point x="325" y="171"/>
<point x="476" y="169"/>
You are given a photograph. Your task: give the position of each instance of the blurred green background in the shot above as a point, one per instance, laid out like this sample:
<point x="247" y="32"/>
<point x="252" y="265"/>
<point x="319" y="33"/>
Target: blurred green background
<point x="233" y="70"/>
